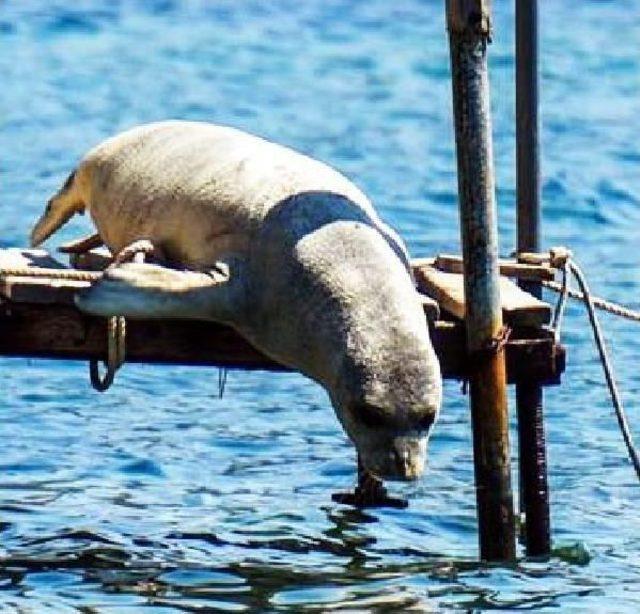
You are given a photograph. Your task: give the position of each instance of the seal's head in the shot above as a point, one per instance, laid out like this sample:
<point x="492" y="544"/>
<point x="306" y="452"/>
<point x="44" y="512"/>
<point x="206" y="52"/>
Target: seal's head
<point x="390" y="417"/>
<point x="352" y="320"/>
<point x="59" y="210"/>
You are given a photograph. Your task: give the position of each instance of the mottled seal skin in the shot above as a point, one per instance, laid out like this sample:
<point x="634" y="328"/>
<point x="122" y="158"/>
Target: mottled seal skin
<point x="279" y="246"/>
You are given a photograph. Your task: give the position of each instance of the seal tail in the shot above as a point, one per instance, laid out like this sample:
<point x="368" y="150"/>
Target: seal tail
<point x="138" y="290"/>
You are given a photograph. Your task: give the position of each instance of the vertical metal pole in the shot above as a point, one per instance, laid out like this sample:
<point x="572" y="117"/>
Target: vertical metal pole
<point x="534" y="491"/>
<point x="469" y="25"/>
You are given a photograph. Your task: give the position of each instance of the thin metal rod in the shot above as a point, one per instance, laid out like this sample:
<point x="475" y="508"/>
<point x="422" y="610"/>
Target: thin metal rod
<point x="534" y="490"/>
<point x="527" y="126"/>
<point x="469" y="24"/>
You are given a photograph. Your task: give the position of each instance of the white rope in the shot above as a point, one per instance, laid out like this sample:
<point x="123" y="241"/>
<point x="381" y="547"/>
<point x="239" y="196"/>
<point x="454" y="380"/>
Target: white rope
<point x="606" y="364"/>
<point x="599" y="303"/>
<point x="34" y="271"/>
<point x="562" y="259"/>
<point x="561" y="304"/>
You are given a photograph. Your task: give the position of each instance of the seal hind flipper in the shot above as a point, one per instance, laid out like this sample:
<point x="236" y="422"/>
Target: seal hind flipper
<point x="141" y="290"/>
<point x="81" y="246"/>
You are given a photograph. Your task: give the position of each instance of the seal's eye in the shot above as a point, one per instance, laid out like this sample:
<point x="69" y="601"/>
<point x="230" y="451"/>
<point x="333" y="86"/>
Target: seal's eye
<point x="48" y="208"/>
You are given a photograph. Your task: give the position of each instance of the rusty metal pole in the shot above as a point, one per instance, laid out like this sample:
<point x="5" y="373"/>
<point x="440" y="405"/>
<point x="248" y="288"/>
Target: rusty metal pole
<point x="534" y="490"/>
<point x="469" y="25"/>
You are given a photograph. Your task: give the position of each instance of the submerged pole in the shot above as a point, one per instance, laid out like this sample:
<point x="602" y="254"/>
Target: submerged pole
<point x="469" y="25"/>
<point x="534" y="491"/>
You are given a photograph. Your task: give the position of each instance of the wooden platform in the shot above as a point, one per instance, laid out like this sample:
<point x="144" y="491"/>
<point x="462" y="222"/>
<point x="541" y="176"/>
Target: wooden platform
<point x="38" y="319"/>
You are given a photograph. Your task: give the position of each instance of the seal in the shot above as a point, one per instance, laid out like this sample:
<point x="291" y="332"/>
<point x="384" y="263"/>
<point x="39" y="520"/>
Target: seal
<point x="279" y="246"/>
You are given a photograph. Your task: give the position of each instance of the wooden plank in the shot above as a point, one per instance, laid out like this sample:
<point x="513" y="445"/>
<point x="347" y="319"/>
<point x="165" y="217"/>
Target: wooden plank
<point x="50" y="291"/>
<point x="48" y="331"/>
<point x="519" y="308"/>
<point x="509" y="268"/>
<point x="44" y="291"/>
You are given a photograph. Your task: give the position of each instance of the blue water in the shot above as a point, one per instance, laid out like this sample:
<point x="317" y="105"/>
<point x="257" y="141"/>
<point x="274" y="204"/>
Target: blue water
<point x="157" y="493"/>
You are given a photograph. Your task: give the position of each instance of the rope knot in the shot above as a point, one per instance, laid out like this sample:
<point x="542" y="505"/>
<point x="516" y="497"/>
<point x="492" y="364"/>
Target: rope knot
<point x="559" y="257"/>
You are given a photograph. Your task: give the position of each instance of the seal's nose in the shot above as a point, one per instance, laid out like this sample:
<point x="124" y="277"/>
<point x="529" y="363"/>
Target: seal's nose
<point x="407" y="460"/>
<point x="401" y="460"/>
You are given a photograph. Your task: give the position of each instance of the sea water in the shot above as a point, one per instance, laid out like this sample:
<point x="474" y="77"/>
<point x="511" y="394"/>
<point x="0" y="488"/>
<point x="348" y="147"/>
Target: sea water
<point x="160" y="495"/>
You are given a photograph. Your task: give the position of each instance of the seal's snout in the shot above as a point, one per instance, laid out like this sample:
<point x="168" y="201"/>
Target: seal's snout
<point x="408" y="457"/>
<point x="396" y="458"/>
<point x="405" y="464"/>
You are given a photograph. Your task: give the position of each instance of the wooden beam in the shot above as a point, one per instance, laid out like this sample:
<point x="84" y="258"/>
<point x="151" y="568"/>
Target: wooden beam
<point x="48" y="288"/>
<point x="62" y="332"/>
<point x="46" y="331"/>
<point x="449" y="263"/>
<point x="519" y="308"/>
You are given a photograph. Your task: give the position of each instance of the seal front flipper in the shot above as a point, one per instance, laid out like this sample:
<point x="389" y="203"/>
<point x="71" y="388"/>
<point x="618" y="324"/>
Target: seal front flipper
<point x="140" y="290"/>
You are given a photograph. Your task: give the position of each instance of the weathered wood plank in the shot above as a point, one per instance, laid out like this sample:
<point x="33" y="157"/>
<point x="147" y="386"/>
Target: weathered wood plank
<point x="519" y="308"/>
<point x="44" y="291"/>
<point x="63" y="332"/>
<point x="449" y="263"/>
<point x="51" y="291"/>
<point x="47" y="331"/>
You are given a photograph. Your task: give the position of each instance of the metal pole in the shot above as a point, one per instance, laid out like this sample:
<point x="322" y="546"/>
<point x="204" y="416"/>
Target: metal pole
<point x="534" y="491"/>
<point x="527" y="129"/>
<point x="469" y="25"/>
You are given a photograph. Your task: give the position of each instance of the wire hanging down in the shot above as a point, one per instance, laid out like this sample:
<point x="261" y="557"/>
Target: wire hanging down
<point x="222" y="380"/>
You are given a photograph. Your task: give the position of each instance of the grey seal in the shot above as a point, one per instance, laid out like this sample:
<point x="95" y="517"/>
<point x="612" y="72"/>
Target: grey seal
<point x="281" y="247"/>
